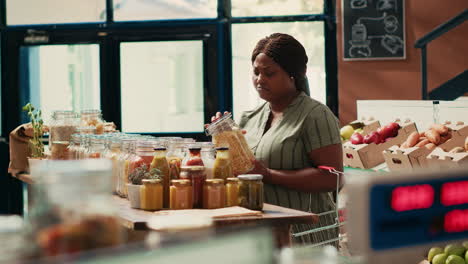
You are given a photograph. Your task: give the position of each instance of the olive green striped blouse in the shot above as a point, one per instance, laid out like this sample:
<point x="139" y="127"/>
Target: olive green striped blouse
<point x="306" y="125"/>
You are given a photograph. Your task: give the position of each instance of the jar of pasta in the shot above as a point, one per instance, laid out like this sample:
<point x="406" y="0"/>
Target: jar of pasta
<point x="222" y="168"/>
<point x="226" y="133"/>
<point x="93" y="117"/>
<point x="214" y="194"/>
<point x="151" y="194"/>
<point x="160" y="162"/>
<point x="251" y="191"/>
<point x="232" y="192"/>
<point x="181" y="195"/>
<point x="196" y="174"/>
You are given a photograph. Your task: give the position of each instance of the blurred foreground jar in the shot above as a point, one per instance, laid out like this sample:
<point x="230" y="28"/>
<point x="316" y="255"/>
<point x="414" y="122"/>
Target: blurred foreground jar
<point x="13" y="243"/>
<point x="226" y="133"/>
<point x="251" y="191"/>
<point x="151" y="195"/>
<point x="232" y="192"/>
<point x="196" y="174"/>
<point x="73" y="210"/>
<point x="214" y="194"/>
<point x="181" y="195"/>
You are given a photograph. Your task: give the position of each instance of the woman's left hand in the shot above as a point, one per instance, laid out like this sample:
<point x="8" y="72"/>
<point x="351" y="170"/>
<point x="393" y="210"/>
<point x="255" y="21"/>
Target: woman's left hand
<point x="260" y="168"/>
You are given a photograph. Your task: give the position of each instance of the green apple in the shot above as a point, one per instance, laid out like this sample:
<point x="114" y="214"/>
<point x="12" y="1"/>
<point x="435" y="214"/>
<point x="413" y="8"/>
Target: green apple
<point x="466" y="256"/>
<point x="434" y="251"/>
<point x="455" y="249"/>
<point x="465" y="244"/>
<point x="454" y="259"/>
<point x="346" y="131"/>
<point x="359" y="130"/>
<point x="439" y="258"/>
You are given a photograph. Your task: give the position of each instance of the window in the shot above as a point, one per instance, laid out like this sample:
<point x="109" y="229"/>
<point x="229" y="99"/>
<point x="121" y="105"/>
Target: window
<point x="244" y="39"/>
<point x="244" y="8"/>
<point x="61" y="77"/>
<point x="24" y="12"/>
<point x="162" y="86"/>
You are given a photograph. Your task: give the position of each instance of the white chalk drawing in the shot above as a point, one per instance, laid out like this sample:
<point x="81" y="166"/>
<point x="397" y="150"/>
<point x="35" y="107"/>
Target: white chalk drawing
<point x="386" y="5"/>
<point x="391" y="43"/>
<point x="359" y="42"/>
<point x="358" y="4"/>
<point x="391" y="24"/>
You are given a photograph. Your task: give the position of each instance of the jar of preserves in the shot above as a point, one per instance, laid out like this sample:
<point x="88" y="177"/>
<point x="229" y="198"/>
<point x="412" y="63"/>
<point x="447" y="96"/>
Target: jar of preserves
<point x="96" y="147"/>
<point x="232" y="192"/>
<point x="144" y="154"/>
<point x="160" y="162"/>
<point x="214" y="194"/>
<point x="59" y="150"/>
<point x="181" y="195"/>
<point x="226" y="133"/>
<point x="193" y="157"/>
<point x="222" y="166"/>
<point x="251" y="191"/>
<point x="151" y="194"/>
<point x="175" y="155"/>
<point x="62" y="126"/>
<point x="93" y="117"/>
<point x="196" y="174"/>
<point x="208" y="156"/>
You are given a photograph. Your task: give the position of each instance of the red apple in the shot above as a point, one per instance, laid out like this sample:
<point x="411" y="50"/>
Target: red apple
<point x="373" y="137"/>
<point x="395" y="127"/>
<point x="356" y="139"/>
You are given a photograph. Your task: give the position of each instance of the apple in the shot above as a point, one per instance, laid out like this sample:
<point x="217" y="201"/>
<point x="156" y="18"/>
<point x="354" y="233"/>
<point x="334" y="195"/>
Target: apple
<point x="346" y="131"/>
<point x="356" y="139"/>
<point x="395" y="127"/>
<point x="373" y="137"/>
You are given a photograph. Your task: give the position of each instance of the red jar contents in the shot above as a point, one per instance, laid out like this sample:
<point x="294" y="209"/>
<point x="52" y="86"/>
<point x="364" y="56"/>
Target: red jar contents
<point x="195" y="157"/>
<point x="197" y="175"/>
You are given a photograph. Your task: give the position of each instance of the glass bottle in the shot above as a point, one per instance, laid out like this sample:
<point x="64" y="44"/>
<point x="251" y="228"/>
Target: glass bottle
<point x="232" y="192"/>
<point x="226" y="133"/>
<point x="62" y="126"/>
<point x="193" y="157"/>
<point x="123" y="162"/>
<point x="196" y="174"/>
<point x="208" y="157"/>
<point x="181" y="195"/>
<point x="151" y="194"/>
<point x="175" y="155"/>
<point x="93" y="117"/>
<point x="160" y="162"/>
<point x="251" y="191"/>
<point x="114" y="150"/>
<point x="222" y="165"/>
<point x="214" y="194"/>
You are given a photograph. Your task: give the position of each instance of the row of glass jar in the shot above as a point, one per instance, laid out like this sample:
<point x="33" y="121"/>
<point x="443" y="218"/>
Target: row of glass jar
<point x="196" y="192"/>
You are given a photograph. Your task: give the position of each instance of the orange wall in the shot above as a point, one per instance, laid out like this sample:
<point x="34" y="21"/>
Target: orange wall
<point x="447" y="56"/>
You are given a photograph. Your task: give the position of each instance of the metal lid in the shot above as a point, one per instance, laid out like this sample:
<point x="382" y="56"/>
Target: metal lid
<point x="234" y="179"/>
<point x="160" y="148"/>
<point x="222" y="148"/>
<point x="181" y="181"/>
<point x="250" y="177"/>
<point x="151" y="181"/>
<point x="192" y="168"/>
<point x="215" y="181"/>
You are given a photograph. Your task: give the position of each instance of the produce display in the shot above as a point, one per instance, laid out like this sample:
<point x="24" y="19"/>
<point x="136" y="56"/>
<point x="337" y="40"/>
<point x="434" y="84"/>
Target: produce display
<point x="450" y="254"/>
<point x="363" y="126"/>
<point x="383" y="134"/>
<point x="430" y="139"/>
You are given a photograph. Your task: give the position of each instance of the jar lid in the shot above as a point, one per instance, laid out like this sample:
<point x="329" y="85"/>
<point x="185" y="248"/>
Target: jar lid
<point x="250" y="177"/>
<point x="160" y="148"/>
<point x="215" y="181"/>
<point x="151" y="181"/>
<point x="90" y="111"/>
<point x="181" y="181"/>
<point x="232" y="179"/>
<point x="192" y="168"/>
<point x="222" y="148"/>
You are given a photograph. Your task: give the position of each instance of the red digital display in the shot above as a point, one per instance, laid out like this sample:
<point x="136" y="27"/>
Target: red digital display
<point x="405" y="198"/>
<point x="453" y="193"/>
<point x="456" y="221"/>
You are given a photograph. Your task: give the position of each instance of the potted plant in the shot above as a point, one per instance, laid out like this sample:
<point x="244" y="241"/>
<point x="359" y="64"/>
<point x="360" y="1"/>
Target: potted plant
<point x="135" y="183"/>
<point x="35" y="143"/>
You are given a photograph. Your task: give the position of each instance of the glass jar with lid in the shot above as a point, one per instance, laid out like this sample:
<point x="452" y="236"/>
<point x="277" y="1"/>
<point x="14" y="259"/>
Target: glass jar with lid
<point x="96" y="147"/>
<point x="73" y="210"/>
<point x="123" y="160"/>
<point x="251" y="191"/>
<point x="208" y="157"/>
<point x="222" y="166"/>
<point x="62" y="126"/>
<point x="160" y="162"/>
<point x="181" y="194"/>
<point x="74" y="146"/>
<point x="232" y="191"/>
<point x="113" y="151"/>
<point x="151" y="194"/>
<point x="93" y="117"/>
<point x="144" y="154"/>
<point x="175" y="155"/>
<point x="214" y="194"/>
<point x="197" y="175"/>
<point x="59" y="150"/>
<point x="193" y="156"/>
<point x="226" y="133"/>
<point x="87" y="130"/>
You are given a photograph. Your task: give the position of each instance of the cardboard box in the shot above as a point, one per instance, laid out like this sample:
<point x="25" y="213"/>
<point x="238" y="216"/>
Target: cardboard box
<point x="414" y="158"/>
<point x="441" y="159"/>
<point x="366" y="156"/>
<point x="370" y="125"/>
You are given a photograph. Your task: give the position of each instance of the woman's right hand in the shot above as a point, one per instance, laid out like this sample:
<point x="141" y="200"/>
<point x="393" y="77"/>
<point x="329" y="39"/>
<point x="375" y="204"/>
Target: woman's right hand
<point x="216" y="117"/>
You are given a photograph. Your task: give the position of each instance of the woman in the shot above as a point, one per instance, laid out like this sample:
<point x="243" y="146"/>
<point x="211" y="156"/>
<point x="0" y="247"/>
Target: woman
<point x="292" y="134"/>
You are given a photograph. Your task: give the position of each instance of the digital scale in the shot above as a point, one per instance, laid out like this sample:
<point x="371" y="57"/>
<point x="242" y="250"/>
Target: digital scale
<point x="397" y="218"/>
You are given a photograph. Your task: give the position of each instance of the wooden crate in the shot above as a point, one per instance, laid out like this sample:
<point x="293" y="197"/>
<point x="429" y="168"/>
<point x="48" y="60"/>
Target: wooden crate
<point x="366" y="156"/>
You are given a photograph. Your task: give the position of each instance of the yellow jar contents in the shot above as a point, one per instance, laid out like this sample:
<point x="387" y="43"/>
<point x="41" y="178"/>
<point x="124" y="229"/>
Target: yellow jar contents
<point x="251" y="191"/>
<point x="232" y="192"/>
<point x="214" y="194"/>
<point x="151" y="194"/>
<point x="222" y="168"/>
<point x="181" y="195"/>
<point x="160" y="162"/>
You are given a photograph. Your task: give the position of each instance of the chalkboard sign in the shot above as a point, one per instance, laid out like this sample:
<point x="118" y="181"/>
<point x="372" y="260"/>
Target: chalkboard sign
<point x="373" y="29"/>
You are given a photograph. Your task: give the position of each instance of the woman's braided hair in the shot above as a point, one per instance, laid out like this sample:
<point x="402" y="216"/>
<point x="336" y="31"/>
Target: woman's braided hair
<point x="288" y="53"/>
